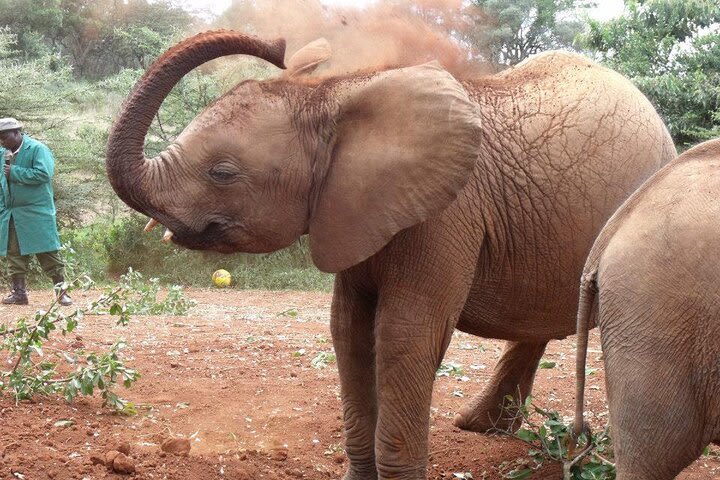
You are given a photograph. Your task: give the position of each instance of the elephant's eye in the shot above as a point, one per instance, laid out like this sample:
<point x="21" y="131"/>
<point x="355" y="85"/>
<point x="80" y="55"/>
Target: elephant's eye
<point x="223" y="174"/>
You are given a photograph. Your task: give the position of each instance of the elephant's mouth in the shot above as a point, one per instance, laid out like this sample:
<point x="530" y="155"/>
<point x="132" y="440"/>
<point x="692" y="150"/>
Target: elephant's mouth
<point x="217" y="235"/>
<point x="212" y="237"/>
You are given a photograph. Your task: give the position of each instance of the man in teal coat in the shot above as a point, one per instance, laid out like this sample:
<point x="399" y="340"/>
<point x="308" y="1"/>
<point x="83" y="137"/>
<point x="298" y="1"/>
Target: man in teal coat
<point x="27" y="211"/>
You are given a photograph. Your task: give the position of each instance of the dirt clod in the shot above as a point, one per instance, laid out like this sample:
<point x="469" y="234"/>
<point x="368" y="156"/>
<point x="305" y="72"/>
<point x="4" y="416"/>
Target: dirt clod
<point x="110" y="457"/>
<point x="279" y="454"/>
<point x="123" y="464"/>
<point x="176" y="446"/>
<point x="97" y="459"/>
<point x="124" y="448"/>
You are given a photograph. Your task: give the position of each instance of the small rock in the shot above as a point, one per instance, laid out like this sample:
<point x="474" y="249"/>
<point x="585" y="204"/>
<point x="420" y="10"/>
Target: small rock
<point x="123" y="464"/>
<point x="97" y="459"/>
<point x="176" y="446"/>
<point x="124" y="448"/>
<point x="110" y="457"/>
<point x="279" y="455"/>
<point x="339" y="457"/>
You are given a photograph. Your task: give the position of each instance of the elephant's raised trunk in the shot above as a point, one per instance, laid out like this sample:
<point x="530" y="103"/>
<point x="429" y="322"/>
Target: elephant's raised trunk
<point x="125" y="159"/>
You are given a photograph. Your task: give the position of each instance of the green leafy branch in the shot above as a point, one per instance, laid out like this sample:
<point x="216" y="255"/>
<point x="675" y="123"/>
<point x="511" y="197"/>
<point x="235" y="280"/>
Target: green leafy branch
<point x="551" y="438"/>
<point x="41" y="369"/>
<point x="65" y="373"/>
<point x="143" y="296"/>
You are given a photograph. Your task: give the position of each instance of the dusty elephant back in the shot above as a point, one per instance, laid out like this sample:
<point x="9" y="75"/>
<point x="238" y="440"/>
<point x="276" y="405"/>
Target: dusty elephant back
<point x="667" y="233"/>
<point x="564" y="143"/>
<point x="689" y="178"/>
<point x="670" y="231"/>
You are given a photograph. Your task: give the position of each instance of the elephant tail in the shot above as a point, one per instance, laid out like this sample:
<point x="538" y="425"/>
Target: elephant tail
<point x="588" y="291"/>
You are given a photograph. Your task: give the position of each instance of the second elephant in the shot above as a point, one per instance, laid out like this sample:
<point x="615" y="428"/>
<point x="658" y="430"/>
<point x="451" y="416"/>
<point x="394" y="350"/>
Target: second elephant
<point x="652" y="279"/>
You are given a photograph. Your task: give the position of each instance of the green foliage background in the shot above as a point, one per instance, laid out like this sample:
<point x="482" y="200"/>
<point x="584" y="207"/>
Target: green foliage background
<point x="671" y="50"/>
<point x="74" y="61"/>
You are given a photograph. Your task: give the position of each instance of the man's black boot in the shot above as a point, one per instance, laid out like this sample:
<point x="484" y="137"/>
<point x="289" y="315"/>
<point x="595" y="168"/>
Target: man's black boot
<point x="18" y="295"/>
<point x="62" y="297"/>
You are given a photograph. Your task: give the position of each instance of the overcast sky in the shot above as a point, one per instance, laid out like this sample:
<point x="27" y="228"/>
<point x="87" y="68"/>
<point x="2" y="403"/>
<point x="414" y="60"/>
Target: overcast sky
<point x="609" y="8"/>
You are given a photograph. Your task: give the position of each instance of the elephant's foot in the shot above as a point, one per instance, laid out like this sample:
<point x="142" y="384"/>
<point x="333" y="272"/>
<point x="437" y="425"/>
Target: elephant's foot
<point x="361" y="474"/>
<point x="513" y="375"/>
<point x="488" y="415"/>
<point x="419" y="473"/>
<point x="409" y="476"/>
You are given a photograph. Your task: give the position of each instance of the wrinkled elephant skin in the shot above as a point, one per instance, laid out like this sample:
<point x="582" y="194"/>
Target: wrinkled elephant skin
<point x="440" y="202"/>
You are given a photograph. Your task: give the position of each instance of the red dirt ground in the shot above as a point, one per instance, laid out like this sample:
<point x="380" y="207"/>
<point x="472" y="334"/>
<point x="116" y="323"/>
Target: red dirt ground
<point x="234" y="377"/>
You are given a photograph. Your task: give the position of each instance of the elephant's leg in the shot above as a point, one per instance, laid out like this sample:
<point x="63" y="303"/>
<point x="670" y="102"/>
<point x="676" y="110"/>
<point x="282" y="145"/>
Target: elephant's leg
<point x="655" y="415"/>
<point x="513" y="374"/>
<point x="352" y="324"/>
<point x="655" y="458"/>
<point x="411" y="339"/>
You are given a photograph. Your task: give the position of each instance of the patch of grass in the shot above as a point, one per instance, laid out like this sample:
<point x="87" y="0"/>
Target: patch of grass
<point x="713" y="452"/>
<point x="450" y="369"/>
<point x="322" y="360"/>
<point x="547" y="364"/>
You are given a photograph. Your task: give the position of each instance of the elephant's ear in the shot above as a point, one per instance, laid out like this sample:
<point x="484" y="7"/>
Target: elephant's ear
<point x="405" y="144"/>
<point x="307" y="59"/>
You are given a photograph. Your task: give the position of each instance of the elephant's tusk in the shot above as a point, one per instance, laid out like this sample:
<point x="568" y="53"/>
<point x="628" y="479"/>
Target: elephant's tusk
<point x="151" y="224"/>
<point x="168" y="236"/>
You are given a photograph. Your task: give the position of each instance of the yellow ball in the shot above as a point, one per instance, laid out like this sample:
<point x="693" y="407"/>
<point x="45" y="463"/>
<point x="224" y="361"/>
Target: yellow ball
<point x="221" y="278"/>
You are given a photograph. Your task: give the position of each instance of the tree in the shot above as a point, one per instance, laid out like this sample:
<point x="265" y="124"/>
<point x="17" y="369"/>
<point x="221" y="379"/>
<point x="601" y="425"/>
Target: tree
<point x="671" y="51"/>
<point x="508" y="31"/>
<point x="34" y="92"/>
<point x="36" y="24"/>
<point x="134" y="33"/>
<point x="645" y="40"/>
<point x="98" y="37"/>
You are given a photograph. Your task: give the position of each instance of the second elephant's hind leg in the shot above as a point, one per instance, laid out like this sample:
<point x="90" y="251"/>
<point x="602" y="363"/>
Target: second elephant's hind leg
<point x="513" y="375"/>
<point x="656" y="424"/>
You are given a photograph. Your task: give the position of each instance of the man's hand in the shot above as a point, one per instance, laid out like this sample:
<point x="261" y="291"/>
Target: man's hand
<point x="7" y="170"/>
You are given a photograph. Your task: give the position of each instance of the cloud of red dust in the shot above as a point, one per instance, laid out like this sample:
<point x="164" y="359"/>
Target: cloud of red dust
<point x="390" y="33"/>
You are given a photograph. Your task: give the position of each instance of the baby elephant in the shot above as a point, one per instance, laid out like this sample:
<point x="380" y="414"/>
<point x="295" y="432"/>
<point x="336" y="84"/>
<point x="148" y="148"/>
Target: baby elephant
<point x="652" y="283"/>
